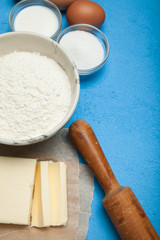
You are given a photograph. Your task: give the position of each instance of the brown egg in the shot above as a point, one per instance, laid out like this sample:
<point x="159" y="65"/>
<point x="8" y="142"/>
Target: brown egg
<point x="85" y="11"/>
<point x="62" y="4"/>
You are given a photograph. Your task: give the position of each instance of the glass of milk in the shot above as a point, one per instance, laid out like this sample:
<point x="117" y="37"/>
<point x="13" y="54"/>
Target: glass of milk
<point x="42" y="17"/>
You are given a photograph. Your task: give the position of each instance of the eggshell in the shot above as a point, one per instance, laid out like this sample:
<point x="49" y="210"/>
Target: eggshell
<point x="85" y="11"/>
<point x="62" y="4"/>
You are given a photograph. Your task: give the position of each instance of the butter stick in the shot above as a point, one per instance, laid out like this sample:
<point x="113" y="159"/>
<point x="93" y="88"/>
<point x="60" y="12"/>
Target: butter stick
<point x="41" y="210"/>
<point x="50" y="195"/>
<point x="58" y="193"/>
<point x="16" y="189"/>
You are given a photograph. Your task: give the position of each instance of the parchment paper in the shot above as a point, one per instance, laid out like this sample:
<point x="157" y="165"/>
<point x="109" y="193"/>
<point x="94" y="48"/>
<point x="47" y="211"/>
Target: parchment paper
<point x="86" y="196"/>
<point x="80" y="186"/>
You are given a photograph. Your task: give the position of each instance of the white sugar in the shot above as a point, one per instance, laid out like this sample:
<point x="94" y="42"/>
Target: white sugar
<point x="84" y="48"/>
<point x="35" y="95"/>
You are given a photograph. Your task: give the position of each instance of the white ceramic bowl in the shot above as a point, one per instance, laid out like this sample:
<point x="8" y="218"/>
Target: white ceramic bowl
<point x="22" y="41"/>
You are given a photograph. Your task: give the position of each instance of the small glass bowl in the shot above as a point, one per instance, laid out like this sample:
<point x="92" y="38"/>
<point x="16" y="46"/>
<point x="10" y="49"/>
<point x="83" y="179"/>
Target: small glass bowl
<point x="97" y="33"/>
<point x="27" y="3"/>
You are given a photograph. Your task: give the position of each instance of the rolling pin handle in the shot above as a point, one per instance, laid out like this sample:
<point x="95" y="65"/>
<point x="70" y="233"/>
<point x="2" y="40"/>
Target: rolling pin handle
<point x="84" y="138"/>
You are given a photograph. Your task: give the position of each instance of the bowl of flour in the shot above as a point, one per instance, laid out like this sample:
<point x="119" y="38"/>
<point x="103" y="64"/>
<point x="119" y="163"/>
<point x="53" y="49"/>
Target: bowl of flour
<point x="39" y="88"/>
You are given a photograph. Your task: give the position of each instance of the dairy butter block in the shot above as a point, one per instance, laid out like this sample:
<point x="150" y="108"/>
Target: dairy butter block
<point x="16" y="189"/>
<point x="58" y="193"/>
<point x="32" y="193"/>
<point x="50" y="197"/>
<point x="41" y="210"/>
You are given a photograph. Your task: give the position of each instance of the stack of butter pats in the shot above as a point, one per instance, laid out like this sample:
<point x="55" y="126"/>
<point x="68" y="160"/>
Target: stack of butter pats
<point x="32" y="193"/>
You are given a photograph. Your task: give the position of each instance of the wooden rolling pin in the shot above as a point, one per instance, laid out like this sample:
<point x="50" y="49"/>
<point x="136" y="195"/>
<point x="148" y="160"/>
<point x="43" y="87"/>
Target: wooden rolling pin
<point x="120" y="202"/>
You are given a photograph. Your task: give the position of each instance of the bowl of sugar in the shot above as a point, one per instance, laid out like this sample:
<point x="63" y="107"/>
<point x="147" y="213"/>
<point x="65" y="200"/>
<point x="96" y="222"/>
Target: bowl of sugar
<point x="37" y="16"/>
<point x="86" y="45"/>
<point x="39" y="88"/>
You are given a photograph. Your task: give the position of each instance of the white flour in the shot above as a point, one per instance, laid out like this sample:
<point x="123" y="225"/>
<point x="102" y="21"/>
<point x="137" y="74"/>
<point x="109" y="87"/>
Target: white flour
<point x="35" y="95"/>
<point x="85" y="49"/>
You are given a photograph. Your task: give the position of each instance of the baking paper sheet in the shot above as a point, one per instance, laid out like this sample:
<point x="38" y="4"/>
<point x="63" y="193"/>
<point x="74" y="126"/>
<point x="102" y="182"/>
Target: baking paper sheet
<point x="80" y="186"/>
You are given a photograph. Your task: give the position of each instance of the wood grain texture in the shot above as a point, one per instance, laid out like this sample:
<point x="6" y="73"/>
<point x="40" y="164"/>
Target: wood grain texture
<point x="121" y="204"/>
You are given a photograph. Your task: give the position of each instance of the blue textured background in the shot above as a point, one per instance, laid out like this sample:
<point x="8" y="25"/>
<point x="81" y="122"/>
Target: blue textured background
<point x="122" y="104"/>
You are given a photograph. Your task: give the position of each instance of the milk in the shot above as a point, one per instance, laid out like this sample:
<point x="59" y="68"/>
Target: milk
<point x="37" y="19"/>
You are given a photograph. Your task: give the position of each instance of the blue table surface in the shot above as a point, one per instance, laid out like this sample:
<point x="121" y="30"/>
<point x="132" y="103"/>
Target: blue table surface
<point x="122" y="104"/>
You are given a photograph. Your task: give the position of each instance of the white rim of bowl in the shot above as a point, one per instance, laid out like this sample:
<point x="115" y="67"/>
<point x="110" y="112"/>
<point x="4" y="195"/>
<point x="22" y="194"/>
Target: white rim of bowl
<point x="11" y="23"/>
<point x="52" y="132"/>
<point x="86" y="71"/>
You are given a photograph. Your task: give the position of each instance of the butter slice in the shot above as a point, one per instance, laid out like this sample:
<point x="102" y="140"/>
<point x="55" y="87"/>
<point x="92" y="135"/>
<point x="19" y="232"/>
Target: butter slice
<point x="16" y="189"/>
<point x="37" y="216"/>
<point x="41" y="210"/>
<point x="50" y="196"/>
<point x="58" y="193"/>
